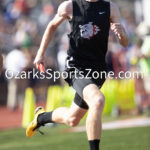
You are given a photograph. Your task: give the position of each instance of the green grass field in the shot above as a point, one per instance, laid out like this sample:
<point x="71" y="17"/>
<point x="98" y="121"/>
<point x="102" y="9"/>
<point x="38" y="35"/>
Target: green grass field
<point x="55" y="139"/>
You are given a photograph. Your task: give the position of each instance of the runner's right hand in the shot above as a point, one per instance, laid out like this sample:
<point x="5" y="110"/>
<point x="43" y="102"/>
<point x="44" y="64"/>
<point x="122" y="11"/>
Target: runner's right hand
<point x="38" y="60"/>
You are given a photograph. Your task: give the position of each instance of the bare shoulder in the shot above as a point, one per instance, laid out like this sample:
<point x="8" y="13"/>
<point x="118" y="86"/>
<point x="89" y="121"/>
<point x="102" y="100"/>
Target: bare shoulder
<point x="114" y="7"/>
<point x="115" y="13"/>
<point x="65" y="8"/>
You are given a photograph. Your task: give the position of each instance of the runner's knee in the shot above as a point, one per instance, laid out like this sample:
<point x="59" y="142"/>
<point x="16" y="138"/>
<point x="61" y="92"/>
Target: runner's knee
<point x="94" y="98"/>
<point x="98" y="102"/>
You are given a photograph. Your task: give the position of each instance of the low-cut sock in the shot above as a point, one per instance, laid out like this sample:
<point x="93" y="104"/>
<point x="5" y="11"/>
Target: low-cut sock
<point x="45" y="118"/>
<point x="94" y="144"/>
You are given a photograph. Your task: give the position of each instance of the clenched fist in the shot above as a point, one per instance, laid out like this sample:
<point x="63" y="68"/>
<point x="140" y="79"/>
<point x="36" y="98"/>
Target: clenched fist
<point x="118" y="29"/>
<point x="38" y="60"/>
<point x="120" y="32"/>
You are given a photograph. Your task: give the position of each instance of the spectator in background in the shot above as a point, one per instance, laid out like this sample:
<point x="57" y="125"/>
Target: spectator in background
<point x="46" y="15"/>
<point x="113" y="48"/>
<point x="133" y="57"/>
<point x="117" y="56"/>
<point x="145" y="66"/>
<point x="16" y="10"/>
<point x="134" y="53"/>
<point x="62" y="53"/>
<point x="15" y="62"/>
<point x="20" y="26"/>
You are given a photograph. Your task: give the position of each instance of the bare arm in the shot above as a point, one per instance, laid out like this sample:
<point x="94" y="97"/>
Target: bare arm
<point x="117" y="27"/>
<point x="1" y="62"/>
<point x="63" y="13"/>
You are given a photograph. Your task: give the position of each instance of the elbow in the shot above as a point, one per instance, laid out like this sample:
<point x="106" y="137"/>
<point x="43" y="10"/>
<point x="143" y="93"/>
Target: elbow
<point x="52" y="26"/>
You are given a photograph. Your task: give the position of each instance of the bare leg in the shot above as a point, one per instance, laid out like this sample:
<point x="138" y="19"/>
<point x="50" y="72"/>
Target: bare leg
<point x="95" y="101"/>
<point x="69" y="116"/>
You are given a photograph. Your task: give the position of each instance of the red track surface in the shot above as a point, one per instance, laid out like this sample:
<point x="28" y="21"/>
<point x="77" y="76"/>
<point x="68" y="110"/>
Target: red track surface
<point x="10" y="119"/>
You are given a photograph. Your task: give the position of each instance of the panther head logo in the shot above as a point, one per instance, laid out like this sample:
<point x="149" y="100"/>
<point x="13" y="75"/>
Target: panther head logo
<point x="89" y="30"/>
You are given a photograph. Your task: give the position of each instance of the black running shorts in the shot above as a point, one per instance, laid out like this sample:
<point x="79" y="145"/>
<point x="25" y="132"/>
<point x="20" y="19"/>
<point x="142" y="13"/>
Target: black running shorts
<point x="79" y="77"/>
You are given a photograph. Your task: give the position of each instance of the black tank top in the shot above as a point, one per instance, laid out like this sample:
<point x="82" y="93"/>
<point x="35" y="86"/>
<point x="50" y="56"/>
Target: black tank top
<point x="90" y="30"/>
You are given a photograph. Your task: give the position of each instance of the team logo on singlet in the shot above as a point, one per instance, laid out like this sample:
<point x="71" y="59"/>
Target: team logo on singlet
<point x="89" y="30"/>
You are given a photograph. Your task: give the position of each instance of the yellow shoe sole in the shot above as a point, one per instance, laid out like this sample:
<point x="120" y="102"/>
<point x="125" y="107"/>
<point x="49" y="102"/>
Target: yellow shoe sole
<point x="31" y="129"/>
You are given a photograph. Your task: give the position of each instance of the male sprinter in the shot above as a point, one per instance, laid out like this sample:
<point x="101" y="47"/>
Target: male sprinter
<point x="90" y="23"/>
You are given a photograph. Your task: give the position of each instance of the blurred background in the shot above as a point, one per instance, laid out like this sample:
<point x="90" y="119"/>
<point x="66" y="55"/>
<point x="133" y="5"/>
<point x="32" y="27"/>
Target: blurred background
<point x="22" y="24"/>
